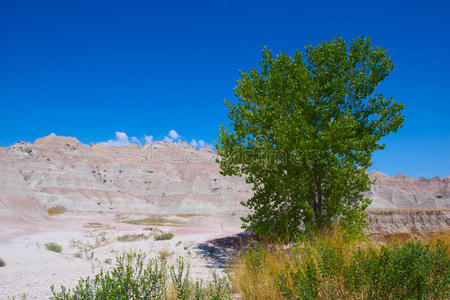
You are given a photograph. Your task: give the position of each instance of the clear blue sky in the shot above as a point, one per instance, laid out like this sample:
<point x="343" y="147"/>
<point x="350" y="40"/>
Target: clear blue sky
<point x="93" y="68"/>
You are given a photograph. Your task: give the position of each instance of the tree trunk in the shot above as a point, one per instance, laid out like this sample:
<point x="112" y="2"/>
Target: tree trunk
<point x="318" y="203"/>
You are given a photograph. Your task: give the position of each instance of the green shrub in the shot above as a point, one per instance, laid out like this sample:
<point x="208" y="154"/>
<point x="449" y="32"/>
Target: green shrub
<point x="133" y="279"/>
<point x="53" y="247"/>
<point x="180" y="278"/>
<point x="130" y="279"/>
<point x="219" y="288"/>
<point x="2" y="263"/>
<point x="163" y="236"/>
<point x="413" y="270"/>
<point x="410" y="271"/>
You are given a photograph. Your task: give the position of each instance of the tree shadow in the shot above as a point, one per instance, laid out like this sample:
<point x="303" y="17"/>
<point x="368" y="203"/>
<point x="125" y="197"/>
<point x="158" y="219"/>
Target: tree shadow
<point x="219" y="252"/>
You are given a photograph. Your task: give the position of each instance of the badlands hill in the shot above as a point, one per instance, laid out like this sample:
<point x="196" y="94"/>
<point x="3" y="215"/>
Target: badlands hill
<point x="155" y="178"/>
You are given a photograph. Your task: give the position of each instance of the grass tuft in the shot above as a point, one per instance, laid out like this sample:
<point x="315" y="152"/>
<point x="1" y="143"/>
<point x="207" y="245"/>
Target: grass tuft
<point x="96" y="225"/>
<point x="132" y="237"/>
<point x="56" y="210"/>
<point x="164" y="254"/>
<point x="163" y="236"/>
<point x="53" y="247"/>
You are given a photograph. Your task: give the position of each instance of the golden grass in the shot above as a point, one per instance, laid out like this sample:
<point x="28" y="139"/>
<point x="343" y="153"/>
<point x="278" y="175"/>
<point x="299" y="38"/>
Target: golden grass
<point x="260" y="284"/>
<point x="56" y="210"/>
<point x="253" y="277"/>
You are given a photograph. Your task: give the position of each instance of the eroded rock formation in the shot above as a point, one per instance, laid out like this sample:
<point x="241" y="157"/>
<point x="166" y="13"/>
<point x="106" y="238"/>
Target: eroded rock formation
<point x="155" y="178"/>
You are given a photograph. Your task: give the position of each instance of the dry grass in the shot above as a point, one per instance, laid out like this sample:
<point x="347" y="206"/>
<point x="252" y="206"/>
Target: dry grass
<point x="155" y="221"/>
<point x="164" y="254"/>
<point x="56" y="210"/>
<point x="132" y="237"/>
<point x="253" y="272"/>
<point x="406" y="209"/>
<point x="96" y="225"/>
<point x="258" y="285"/>
<point x="191" y="215"/>
<point x="400" y="238"/>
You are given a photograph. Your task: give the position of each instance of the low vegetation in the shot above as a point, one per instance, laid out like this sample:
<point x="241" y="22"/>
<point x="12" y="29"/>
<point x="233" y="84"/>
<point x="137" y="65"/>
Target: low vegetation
<point x="163" y="236"/>
<point x="86" y="249"/>
<point x="56" y="210"/>
<point x="136" y="278"/>
<point x="132" y="237"/>
<point x="96" y="225"/>
<point x="333" y="267"/>
<point x="2" y="263"/>
<point x="53" y="247"/>
<point x="191" y="215"/>
<point x="164" y="253"/>
<point x="155" y="221"/>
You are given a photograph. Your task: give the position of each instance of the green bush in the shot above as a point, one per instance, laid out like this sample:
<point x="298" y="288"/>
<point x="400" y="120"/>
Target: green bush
<point x="180" y="278"/>
<point x="53" y="247"/>
<point x="130" y="279"/>
<point x="133" y="279"/>
<point x="163" y="236"/>
<point x="410" y="271"/>
<point x="403" y="272"/>
<point x="219" y="288"/>
<point x="2" y="263"/>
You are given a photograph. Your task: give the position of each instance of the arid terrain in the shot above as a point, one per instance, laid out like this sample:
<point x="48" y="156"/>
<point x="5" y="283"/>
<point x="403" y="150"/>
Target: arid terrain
<point x="100" y="201"/>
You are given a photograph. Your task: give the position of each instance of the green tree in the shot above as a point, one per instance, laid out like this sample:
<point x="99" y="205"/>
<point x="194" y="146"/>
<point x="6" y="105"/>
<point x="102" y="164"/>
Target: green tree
<point x="303" y="133"/>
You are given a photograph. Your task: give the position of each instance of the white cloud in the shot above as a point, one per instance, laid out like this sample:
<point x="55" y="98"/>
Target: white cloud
<point x="167" y="139"/>
<point x="148" y="139"/>
<point x="193" y="143"/>
<point x="174" y="135"/>
<point x="198" y="144"/>
<point x="121" y="140"/>
<point x="135" y="140"/>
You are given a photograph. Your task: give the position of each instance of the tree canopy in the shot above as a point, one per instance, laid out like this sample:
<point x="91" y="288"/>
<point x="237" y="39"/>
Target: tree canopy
<point x="303" y="132"/>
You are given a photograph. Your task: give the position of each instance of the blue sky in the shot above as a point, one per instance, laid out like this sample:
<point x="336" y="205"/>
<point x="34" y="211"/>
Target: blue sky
<point x="93" y="68"/>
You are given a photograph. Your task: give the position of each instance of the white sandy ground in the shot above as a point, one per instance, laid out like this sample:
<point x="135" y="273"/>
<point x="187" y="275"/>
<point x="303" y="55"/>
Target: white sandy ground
<point x="32" y="269"/>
